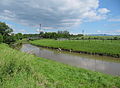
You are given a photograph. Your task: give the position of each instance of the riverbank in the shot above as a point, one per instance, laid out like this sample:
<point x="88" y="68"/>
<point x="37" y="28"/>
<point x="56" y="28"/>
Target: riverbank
<point x="23" y="70"/>
<point x="94" y="47"/>
<point x="18" y="44"/>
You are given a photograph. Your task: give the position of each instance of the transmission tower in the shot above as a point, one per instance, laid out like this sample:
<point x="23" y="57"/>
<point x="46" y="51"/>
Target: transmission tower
<point x="40" y="28"/>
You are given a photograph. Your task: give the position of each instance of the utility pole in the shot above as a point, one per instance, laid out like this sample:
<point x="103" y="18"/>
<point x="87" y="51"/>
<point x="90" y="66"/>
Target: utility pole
<point x="83" y="32"/>
<point x="40" y="28"/>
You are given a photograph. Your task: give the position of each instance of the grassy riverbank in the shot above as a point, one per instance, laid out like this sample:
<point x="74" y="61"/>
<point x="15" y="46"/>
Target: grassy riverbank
<point x="17" y="44"/>
<point x="106" y="47"/>
<point x="21" y="70"/>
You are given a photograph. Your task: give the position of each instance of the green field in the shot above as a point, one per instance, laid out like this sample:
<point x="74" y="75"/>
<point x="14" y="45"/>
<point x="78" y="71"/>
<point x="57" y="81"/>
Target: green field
<point x="102" y="37"/>
<point x="101" y="47"/>
<point x="21" y="70"/>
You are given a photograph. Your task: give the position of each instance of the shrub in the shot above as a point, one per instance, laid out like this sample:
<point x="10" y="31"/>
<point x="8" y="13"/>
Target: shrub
<point x="9" y="39"/>
<point x="1" y="38"/>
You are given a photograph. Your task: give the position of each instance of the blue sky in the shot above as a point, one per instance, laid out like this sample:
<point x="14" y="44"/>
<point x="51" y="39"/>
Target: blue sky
<point x="104" y="26"/>
<point x="92" y="16"/>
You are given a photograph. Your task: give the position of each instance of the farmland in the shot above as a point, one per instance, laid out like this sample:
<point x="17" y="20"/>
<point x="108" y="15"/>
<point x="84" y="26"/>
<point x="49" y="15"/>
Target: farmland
<point x="106" y="47"/>
<point x="87" y="37"/>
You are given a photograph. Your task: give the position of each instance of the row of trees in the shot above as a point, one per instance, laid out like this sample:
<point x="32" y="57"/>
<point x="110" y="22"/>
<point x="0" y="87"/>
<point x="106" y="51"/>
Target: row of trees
<point x="52" y="35"/>
<point x="6" y="35"/>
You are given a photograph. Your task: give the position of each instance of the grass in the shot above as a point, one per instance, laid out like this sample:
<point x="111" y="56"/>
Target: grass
<point x="101" y="37"/>
<point x="97" y="37"/>
<point x="101" y="47"/>
<point x="21" y="70"/>
<point x="17" y="44"/>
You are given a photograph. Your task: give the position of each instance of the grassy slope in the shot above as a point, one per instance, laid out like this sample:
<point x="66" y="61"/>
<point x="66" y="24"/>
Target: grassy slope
<point x="93" y="46"/>
<point x="21" y="70"/>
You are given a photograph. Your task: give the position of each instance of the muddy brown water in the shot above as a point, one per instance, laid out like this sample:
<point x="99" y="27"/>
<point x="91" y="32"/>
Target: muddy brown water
<point x="104" y="64"/>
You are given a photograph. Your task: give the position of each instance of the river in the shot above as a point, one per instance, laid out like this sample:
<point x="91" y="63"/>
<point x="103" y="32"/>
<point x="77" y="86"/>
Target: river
<point x="104" y="64"/>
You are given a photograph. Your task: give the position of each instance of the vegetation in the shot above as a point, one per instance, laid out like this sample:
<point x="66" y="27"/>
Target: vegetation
<point x="67" y="35"/>
<point x="86" y="37"/>
<point x="9" y="37"/>
<point x="6" y="35"/>
<point x="92" y="47"/>
<point x="6" y="31"/>
<point x="1" y="38"/>
<point x="21" y="70"/>
<point x="51" y="35"/>
<point x="19" y="36"/>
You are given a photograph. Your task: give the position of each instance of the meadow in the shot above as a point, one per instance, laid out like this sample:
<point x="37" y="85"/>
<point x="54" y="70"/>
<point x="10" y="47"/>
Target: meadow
<point x="100" y="47"/>
<point x="22" y="70"/>
<point x="87" y="37"/>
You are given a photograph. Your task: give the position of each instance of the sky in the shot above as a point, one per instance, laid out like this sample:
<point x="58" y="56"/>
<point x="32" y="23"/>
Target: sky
<point x="92" y="16"/>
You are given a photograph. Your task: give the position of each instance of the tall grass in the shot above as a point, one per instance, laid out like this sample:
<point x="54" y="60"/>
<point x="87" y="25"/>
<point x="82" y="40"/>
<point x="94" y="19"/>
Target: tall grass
<point x="101" y="47"/>
<point x="21" y="70"/>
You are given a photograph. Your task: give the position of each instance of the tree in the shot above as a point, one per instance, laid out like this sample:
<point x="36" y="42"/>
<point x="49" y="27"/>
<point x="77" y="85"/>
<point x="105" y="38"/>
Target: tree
<point x="115" y="38"/>
<point x="63" y="34"/>
<point x="1" y="38"/>
<point x="41" y="34"/>
<point x="79" y="35"/>
<point x="19" y="36"/>
<point x="9" y="39"/>
<point x="5" y="29"/>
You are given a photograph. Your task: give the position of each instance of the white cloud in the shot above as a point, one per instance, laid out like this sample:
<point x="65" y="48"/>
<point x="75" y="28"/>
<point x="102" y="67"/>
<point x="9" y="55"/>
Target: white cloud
<point x="49" y="28"/>
<point x="23" y="30"/>
<point x="19" y="31"/>
<point x="92" y="15"/>
<point x="115" y="31"/>
<point x="118" y="31"/>
<point x="11" y="26"/>
<point x="38" y="30"/>
<point x="103" y="10"/>
<point x="51" y="13"/>
<point x="7" y="15"/>
<point x="99" y="31"/>
<point x="114" y="20"/>
<point x="71" y="20"/>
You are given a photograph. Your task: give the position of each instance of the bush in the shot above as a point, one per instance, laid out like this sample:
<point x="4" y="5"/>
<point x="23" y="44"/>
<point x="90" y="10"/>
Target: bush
<point x="1" y="38"/>
<point x="9" y="39"/>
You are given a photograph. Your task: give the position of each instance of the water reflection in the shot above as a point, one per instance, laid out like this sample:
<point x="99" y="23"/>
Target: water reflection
<point x="95" y="63"/>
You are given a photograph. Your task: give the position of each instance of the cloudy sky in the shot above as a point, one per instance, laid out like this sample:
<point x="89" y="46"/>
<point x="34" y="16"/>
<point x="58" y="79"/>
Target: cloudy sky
<point x="92" y="16"/>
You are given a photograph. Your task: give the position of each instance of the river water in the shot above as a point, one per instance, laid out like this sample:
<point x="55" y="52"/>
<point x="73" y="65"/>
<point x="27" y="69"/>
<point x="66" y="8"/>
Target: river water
<point x="108" y="65"/>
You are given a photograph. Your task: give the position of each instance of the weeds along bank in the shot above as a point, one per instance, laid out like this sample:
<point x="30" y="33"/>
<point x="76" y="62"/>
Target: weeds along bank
<point x="21" y="70"/>
<point x="100" y="47"/>
<point x="17" y="45"/>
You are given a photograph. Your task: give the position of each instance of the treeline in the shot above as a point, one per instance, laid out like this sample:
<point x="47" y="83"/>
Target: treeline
<point x="7" y="35"/>
<point x="51" y="35"/>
